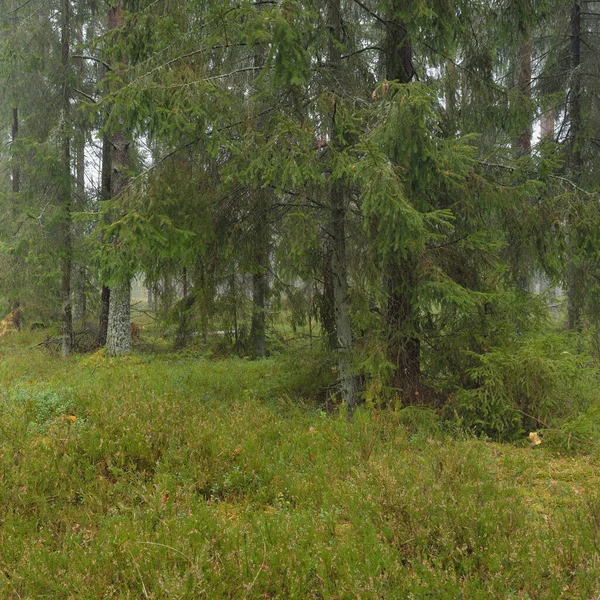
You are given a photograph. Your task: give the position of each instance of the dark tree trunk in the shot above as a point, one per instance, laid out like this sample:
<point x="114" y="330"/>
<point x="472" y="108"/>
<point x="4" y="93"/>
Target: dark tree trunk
<point x="104" y="308"/>
<point x="16" y="173"/>
<point x="574" y="272"/>
<point x="327" y="301"/>
<point x="79" y="271"/>
<point x="261" y="211"/>
<point x="67" y="249"/>
<point x="523" y="142"/>
<point x="337" y="229"/>
<point x="401" y="274"/>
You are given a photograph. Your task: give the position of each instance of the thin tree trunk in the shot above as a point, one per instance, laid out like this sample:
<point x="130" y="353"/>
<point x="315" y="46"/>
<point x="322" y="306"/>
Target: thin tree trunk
<point x="79" y="271"/>
<point x="547" y="125"/>
<point x="67" y="249"/>
<point x="523" y="142"/>
<point x="327" y="301"/>
<point x="337" y="230"/>
<point x="184" y="283"/>
<point x="258" y="344"/>
<point x="104" y="310"/>
<point x="574" y="273"/>
<point x="16" y="173"/>
<point x="105" y="191"/>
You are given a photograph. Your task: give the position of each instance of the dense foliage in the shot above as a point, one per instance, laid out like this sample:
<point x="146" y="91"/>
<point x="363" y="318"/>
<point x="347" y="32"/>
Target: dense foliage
<point x="409" y="183"/>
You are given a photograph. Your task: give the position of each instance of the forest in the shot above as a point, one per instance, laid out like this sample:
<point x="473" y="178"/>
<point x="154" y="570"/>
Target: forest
<point x="285" y="280"/>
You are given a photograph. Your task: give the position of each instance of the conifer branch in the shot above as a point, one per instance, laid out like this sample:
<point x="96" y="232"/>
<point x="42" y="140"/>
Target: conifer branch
<point x="558" y="177"/>
<point x="94" y="59"/>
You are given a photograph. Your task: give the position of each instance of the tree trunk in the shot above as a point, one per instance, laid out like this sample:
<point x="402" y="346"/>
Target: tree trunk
<point x="104" y="310"/>
<point x="118" y="339"/>
<point x="79" y="271"/>
<point x="400" y="274"/>
<point x="16" y="173"/>
<point x="574" y="272"/>
<point x="547" y="125"/>
<point x="259" y="276"/>
<point x="67" y="250"/>
<point x="522" y="144"/>
<point x="337" y="229"/>
<point x="105" y="191"/>
<point x="327" y="301"/>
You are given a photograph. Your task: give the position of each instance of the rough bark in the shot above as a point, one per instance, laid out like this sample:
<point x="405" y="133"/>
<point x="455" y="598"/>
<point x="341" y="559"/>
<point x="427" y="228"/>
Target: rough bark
<point x="574" y="274"/>
<point x="105" y="191"/>
<point x="547" y="125"/>
<point x="327" y="301"/>
<point x="118" y="338"/>
<point x="104" y="310"/>
<point x="400" y="273"/>
<point x="67" y="248"/>
<point x="16" y="173"/>
<point x="78" y="270"/>
<point x="337" y="229"/>
<point x="258" y="345"/>
<point x="523" y="142"/>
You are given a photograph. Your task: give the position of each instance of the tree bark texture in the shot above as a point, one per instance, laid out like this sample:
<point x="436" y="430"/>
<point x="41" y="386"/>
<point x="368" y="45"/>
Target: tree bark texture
<point x="337" y="229"/>
<point x="118" y="339"/>
<point x="258" y="343"/>
<point x="574" y="273"/>
<point x="400" y="273"/>
<point x="67" y="249"/>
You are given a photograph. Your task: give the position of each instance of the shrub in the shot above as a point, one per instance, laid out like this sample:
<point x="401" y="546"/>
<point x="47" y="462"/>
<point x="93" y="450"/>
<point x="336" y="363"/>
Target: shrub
<point x="42" y="405"/>
<point x="539" y="381"/>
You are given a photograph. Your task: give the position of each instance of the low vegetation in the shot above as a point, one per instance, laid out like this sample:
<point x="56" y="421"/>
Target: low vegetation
<point x="162" y="476"/>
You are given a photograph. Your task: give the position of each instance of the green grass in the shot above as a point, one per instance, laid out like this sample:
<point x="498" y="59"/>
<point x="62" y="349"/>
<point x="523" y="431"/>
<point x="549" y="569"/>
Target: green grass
<point x="181" y="477"/>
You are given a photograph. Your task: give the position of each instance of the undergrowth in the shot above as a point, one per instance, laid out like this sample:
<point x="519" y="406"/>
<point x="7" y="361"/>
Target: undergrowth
<point x="148" y="477"/>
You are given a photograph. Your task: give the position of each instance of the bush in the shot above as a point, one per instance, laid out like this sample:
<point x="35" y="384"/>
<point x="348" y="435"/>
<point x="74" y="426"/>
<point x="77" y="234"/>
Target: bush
<point x="42" y="405"/>
<point x="540" y="381"/>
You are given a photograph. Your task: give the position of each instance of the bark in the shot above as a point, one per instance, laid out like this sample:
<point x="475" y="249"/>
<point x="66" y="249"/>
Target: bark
<point x="261" y="234"/>
<point x="183" y="334"/>
<point x="523" y="142"/>
<point x="400" y="274"/>
<point x="67" y="249"/>
<point x="79" y="271"/>
<point x="574" y="273"/>
<point x="337" y="230"/>
<point x="105" y="185"/>
<point x="547" y="125"/>
<point x="104" y="310"/>
<point x="118" y="339"/>
<point x="16" y="173"/>
<point x="327" y="301"/>
<point x="259" y="276"/>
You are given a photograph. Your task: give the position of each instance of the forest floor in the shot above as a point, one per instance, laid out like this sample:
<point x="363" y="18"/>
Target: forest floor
<point x="177" y="476"/>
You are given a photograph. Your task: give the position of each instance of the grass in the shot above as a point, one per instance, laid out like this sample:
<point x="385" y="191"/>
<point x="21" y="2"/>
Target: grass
<point x="180" y="477"/>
